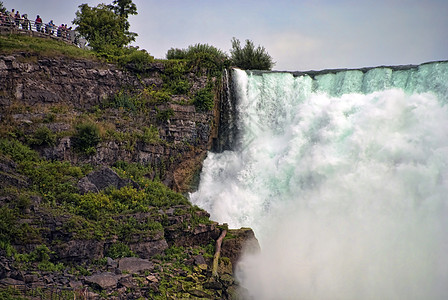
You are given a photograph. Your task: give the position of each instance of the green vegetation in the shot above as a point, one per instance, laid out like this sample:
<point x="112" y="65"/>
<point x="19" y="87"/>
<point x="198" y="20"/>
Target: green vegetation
<point x="250" y="57"/>
<point x="119" y="250"/>
<point x="106" y="28"/>
<point x="42" y="136"/>
<point x="87" y="137"/>
<point x="204" y="99"/>
<point x="201" y="56"/>
<point x="102" y="27"/>
<point x="41" y="47"/>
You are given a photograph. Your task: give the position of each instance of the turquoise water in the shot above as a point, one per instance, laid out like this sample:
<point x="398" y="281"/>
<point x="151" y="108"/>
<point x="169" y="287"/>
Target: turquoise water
<point x="344" y="179"/>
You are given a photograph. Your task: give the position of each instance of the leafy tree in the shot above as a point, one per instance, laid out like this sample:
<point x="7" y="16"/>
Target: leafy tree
<point x="124" y="8"/>
<point x="250" y="57"/>
<point x="103" y="28"/>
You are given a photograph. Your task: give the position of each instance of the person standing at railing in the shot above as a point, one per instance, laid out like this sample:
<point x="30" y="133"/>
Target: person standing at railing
<point x="50" y="27"/>
<point x="17" y="19"/>
<point x="38" y="23"/>
<point x="26" y="23"/>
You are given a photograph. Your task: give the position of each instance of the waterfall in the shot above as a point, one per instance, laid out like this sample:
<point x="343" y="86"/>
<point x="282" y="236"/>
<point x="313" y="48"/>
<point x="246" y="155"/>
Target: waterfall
<point x="343" y="175"/>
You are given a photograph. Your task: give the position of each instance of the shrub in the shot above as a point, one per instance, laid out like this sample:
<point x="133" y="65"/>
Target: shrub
<point x="87" y="137"/>
<point x="163" y="116"/>
<point x="123" y="100"/>
<point x="17" y="151"/>
<point x="159" y="97"/>
<point x="204" y="100"/>
<point x="134" y="59"/>
<point x="42" y="136"/>
<point x="176" y="53"/>
<point x="250" y="57"/>
<point x="119" y="250"/>
<point x="150" y="135"/>
<point x="201" y="56"/>
<point x="180" y="87"/>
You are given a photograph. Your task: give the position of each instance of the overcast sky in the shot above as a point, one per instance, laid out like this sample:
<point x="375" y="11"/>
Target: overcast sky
<point x="299" y="35"/>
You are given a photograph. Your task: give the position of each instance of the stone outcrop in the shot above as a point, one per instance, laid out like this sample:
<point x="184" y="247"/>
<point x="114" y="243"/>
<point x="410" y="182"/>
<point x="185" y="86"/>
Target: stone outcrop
<point x="102" y="179"/>
<point x="43" y="86"/>
<point x="61" y="80"/>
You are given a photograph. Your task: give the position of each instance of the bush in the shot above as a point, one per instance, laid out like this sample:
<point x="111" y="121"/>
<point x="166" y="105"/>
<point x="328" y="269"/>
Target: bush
<point x="204" y="99"/>
<point x="250" y="57"/>
<point x="123" y="100"/>
<point x="119" y="250"/>
<point x="201" y="56"/>
<point x="176" y="53"/>
<point x="87" y="138"/>
<point x="163" y="116"/>
<point x="150" y="135"/>
<point x="134" y="59"/>
<point x="17" y="151"/>
<point x="42" y="136"/>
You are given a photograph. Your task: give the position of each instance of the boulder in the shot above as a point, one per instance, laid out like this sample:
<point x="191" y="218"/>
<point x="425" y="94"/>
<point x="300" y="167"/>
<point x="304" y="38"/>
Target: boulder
<point x="104" y="280"/>
<point x="135" y="265"/>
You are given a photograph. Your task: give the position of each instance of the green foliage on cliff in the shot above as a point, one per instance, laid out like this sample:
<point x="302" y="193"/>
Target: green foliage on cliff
<point x="250" y="57"/>
<point x="201" y="56"/>
<point x="204" y="99"/>
<point x="87" y="137"/>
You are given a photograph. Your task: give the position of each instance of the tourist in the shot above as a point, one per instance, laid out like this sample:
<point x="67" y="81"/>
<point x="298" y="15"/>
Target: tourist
<point x="17" y="19"/>
<point x="50" y="27"/>
<point x="11" y="17"/>
<point x="26" y="24"/>
<point x="38" y="23"/>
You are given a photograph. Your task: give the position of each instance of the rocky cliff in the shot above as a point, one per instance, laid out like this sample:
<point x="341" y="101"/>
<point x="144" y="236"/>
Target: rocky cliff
<point x="60" y="92"/>
<point x="86" y="150"/>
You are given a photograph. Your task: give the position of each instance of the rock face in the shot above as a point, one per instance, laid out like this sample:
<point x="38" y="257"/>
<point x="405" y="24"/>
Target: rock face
<point x="63" y="88"/>
<point x="82" y="83"/>
<point x="100" y="180"/>
<point x="243" y="240"/>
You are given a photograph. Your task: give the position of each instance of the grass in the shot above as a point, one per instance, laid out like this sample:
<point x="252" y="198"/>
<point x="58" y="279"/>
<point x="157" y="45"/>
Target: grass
<point x="14" y="43"/>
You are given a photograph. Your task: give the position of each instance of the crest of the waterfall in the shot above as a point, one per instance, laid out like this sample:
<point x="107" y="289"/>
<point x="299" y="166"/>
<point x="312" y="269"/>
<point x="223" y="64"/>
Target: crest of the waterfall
<point x="343" y="176"/>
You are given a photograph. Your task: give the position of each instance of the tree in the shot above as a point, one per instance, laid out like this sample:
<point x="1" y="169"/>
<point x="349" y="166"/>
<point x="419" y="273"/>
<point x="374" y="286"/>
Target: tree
<point x="102" y="28"/>
<point x="250" y="57"/>
<point x="124" y="8"/>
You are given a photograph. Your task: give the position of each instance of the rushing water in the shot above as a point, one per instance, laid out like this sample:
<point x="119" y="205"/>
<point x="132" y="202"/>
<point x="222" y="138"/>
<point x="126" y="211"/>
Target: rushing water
<point x="344" y="179"/>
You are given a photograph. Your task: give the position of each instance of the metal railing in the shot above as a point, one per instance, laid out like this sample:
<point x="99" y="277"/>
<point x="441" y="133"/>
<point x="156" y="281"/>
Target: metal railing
<point x="45" y="28"/>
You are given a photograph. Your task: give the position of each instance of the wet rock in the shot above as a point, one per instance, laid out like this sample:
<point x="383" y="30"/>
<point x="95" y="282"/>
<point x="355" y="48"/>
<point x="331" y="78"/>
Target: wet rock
<point x="242" y="240"/>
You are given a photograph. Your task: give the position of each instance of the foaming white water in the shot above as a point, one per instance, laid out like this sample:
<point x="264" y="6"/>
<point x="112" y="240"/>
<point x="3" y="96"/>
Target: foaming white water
<point x="347" y="194"/>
